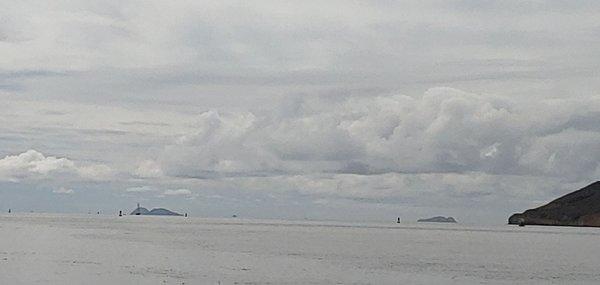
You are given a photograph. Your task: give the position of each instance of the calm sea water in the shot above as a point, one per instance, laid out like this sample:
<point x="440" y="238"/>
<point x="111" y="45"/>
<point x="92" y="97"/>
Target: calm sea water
<point x="90" y="249"/>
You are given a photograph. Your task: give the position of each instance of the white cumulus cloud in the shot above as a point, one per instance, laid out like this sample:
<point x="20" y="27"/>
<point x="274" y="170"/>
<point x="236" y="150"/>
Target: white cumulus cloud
<point x="177" y="192"/>
<point x="35" y="165"/>
<point x="148" y="169"/>
<point x="444" y="131"/>
<point x="63" y="190"/>
<point x="140" y="189"/>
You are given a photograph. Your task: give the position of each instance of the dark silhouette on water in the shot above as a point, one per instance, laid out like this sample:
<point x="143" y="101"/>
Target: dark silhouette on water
<point x="580" y="208"/>
<point x="120" y="213"/>
<point x="140" y="210"/>
<point x="438" y="219"/>
<point x="9" y="211"/>
<point x="398" y="220"/>
<point x="154" y="212"/>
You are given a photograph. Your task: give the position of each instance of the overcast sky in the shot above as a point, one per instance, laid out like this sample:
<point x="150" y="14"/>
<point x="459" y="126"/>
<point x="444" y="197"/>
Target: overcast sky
<point x="352" y="110"/>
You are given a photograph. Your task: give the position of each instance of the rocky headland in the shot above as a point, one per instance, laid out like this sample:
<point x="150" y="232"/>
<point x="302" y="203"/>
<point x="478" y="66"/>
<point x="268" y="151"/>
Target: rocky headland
<point x="580" y="208"/>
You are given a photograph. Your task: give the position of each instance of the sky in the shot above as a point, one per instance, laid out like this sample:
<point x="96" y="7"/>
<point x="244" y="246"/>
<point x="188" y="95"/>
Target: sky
<point x="320" y="110"/>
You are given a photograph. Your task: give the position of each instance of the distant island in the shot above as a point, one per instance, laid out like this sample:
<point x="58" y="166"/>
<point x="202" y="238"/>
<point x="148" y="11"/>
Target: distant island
<point x="580" y="208"/>
<point x="154" y="212"/>
<point x="438" y="219"/>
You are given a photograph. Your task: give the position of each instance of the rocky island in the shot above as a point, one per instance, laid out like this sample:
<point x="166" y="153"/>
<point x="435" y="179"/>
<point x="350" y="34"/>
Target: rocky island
<point x="580" y="208"/>
<point x="438" y="219"/>
<point x="154" y="212"/>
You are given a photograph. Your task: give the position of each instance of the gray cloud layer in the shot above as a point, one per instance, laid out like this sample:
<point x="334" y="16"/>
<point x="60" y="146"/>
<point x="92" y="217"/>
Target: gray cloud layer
<point x="143" y="45"/>
<point x="313" y="107"/>
<point x="444" y="131"/>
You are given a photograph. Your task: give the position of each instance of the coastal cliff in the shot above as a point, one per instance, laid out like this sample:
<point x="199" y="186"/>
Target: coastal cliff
<point x="580" y="208"/>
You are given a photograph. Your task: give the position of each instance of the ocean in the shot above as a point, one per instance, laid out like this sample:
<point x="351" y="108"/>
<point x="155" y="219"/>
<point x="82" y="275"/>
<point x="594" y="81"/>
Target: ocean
<point x="96" y="249"/>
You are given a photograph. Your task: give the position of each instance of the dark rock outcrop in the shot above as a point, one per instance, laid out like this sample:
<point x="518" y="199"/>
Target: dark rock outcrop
<point x="580" y="208"/>
<point x="163" y="212"/>
<point x="154" y="212"/>
<point x="140" y="211"/>
<point x="438" y="219"/>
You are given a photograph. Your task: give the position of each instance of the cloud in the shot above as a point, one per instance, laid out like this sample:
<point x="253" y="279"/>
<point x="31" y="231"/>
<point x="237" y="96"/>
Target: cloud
<point x="369" y="44"/>
<point x="177" y="192"/>
<point x="418" y="190"/>
<point x="95" y="172"/>
<point x="32" y="164"/>
<point x="224" y="144"/>
<point x="35" y="165"/>
<point x="312" y="98"/>
<point x="148" y="169"/>
<point x="63" y="190"/>
<point x="444" y="131"/>
<point x="140" y="189"/>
